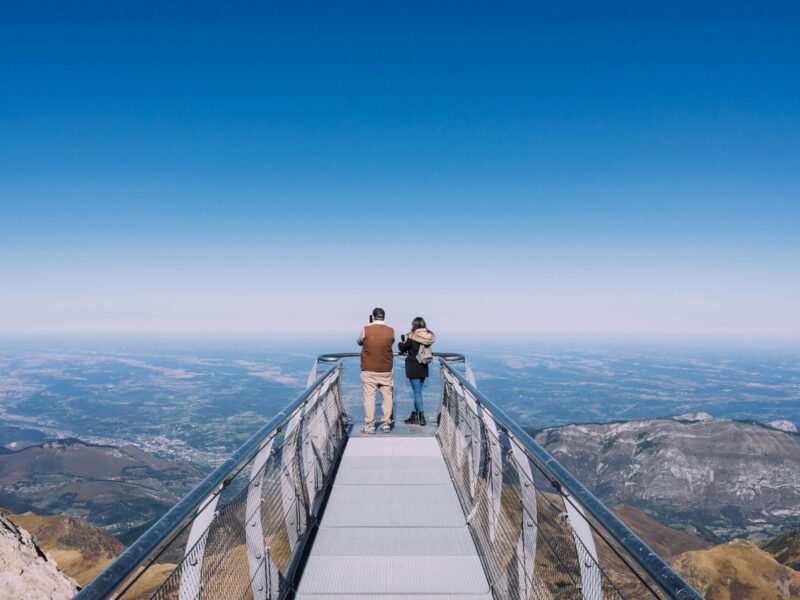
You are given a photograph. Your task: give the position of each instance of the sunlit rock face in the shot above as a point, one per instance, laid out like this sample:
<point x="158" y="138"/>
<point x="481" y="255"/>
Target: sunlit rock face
<point x="783" y="425"/>
<point x="726" y="478"/>
<point x="26" y="572"/>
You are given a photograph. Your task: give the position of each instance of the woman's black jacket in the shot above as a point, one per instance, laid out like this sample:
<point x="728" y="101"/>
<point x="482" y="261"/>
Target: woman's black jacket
<point x="414" y="369"/>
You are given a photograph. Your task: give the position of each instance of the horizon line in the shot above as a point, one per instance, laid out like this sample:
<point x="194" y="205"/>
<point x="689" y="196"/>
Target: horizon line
<point x="550" y="336"/>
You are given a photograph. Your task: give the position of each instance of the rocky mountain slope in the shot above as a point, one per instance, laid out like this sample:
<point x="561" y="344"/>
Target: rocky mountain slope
<point x="119" y="488"/>
<point x="666" y="541"/>
<point x="738" y="570"/>
<point x="725" y="478"/>
<point x="26" y="572"/>
<point x="785" y="548"/>
<point x="80" y="549"/>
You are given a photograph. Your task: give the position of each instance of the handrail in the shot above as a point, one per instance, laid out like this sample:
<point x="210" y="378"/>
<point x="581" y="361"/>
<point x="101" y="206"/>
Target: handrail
<point x="157" y="537"/>
<point x="664" y="575"/>
<point x="336" y="356"/>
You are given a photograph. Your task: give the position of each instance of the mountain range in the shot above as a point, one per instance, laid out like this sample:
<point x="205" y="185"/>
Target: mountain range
<point x="684" y="484"/>
<point x="717" y="477"/>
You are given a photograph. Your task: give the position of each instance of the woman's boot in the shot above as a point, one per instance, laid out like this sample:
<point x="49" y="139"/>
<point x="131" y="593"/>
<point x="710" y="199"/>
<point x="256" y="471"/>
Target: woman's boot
<point x="421" y="419"/>
<point x="413" y="419"/>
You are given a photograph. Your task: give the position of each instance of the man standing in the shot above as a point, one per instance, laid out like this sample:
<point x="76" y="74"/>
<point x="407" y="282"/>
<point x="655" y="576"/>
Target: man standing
<point x="376" y="341"/>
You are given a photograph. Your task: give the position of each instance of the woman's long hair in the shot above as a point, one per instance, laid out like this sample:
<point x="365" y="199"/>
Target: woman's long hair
<point x="418" y="323"/>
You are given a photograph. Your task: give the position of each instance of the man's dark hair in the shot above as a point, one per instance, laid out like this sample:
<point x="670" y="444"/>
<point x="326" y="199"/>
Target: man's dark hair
<point x="379" y="313"/>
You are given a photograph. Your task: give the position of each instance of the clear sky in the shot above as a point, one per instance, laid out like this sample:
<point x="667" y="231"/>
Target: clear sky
<point x="625" y="167"/>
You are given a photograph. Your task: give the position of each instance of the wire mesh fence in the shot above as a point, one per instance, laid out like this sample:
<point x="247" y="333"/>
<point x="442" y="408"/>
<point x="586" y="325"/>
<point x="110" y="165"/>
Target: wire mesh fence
<point x="248" y="536"/>
<point x="403" y="399"/>
<point x="535" y="542"/>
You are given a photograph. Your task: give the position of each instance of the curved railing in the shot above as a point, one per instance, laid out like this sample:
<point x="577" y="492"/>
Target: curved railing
<point x="540" y="533"/>
<point x="243" y="529"/>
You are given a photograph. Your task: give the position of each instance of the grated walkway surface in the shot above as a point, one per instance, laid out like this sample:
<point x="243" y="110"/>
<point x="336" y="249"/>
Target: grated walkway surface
<point x="393" y="528"/>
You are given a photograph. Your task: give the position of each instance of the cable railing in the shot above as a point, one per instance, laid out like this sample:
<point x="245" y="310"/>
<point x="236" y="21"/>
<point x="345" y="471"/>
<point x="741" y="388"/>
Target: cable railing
<point x="243" y="532"/>
<point x="539" y="532"/>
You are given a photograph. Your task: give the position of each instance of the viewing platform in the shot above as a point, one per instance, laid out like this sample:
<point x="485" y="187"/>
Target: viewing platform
<point x="468" y="507"/>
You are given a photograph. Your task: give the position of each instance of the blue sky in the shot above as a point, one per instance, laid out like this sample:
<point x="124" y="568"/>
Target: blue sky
<point x="515" y="168"/>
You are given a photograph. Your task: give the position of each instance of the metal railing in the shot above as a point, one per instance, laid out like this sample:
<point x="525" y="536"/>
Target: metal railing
<point x="403" y="402"/>
<point x="242" y="531"/>
<point x="540" y="533"/>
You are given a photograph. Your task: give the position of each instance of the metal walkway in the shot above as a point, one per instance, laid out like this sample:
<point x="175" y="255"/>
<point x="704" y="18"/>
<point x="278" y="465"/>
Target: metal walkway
<point x="308" y="509"/>
<point x="393" y="526"/>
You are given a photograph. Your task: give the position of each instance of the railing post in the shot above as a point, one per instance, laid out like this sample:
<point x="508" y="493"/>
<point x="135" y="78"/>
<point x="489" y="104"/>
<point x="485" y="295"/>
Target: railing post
<point x="191" y="572"/>
<point x="495" y="487"/>
<point x="289" y="490"/>
<point x="315" y="427"/>
<point x="468" y="372"/>
<point x="312" y="375"/>
<point x="587" y="552"/>
<point x="254" y="530"/>
<point x="474" y="416"/>
<point x="470" y="414"/>
<point x="526" y="546"/>
<point x="309" y="458"/>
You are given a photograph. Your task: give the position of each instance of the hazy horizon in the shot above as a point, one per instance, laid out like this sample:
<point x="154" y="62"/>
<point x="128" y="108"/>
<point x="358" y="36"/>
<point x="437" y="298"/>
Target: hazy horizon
<point x="344" y="341"/>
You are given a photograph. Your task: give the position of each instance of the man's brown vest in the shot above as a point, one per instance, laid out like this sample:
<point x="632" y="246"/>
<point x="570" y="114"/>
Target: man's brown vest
<point x="376" y="353"/>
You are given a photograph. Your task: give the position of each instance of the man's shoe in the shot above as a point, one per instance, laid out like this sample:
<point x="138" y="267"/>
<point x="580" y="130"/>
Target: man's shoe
<point x="370" y="429"/>
<point x="385" y="428"/>
<point x="421" y="419"/>
<point x="413" y="419"/>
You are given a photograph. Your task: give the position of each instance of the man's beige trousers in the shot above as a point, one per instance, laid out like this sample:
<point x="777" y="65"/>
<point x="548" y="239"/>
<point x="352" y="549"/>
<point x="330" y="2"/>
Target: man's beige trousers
<point x="377" y="381"/>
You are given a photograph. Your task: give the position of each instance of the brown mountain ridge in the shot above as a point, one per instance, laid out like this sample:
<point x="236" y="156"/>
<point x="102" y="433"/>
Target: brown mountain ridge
<point x="738" y="570"/>
<point x="120" y="488"/>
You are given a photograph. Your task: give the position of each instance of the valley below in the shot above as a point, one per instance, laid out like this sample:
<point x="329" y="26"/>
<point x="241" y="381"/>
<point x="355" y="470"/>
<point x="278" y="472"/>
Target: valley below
<point x="95" y="446"/>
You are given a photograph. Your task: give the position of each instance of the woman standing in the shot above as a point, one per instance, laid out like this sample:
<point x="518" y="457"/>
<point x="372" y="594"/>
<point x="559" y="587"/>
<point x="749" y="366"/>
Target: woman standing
<point x="416" y="365"/>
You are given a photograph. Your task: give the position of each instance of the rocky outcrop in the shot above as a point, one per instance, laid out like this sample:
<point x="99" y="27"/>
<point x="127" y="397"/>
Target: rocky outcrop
<point x="783" y="425"/>
<point x="26" y="572"/>
<point x="81" y="549"/>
